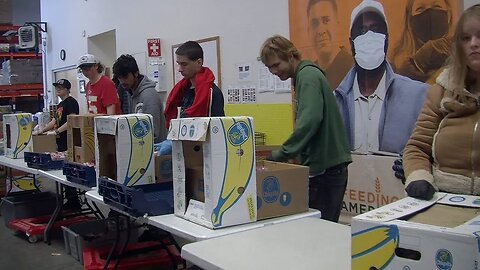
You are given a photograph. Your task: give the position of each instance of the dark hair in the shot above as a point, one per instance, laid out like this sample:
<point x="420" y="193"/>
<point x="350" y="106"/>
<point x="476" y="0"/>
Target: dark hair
<point x="125" y="64"/>
<point x="191" y="49"/>
<point x="313" y="2"/>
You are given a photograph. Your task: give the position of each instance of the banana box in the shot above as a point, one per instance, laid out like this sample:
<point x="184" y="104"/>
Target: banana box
<point x="44" y="143"/>
<point x="371" y="184"/>
<point x="17" y="129"/>
<point x="224" y="147"/>
<point x="124" y="148"/>
<point x="80" y="138"/>
<point x="282" y="189"/>
<point x="443" y="233"/>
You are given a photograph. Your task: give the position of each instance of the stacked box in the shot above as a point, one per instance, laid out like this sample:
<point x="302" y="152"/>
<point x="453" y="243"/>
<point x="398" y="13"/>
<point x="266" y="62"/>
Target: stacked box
<point x="224" y="147"/>
<point x="124" y="148"/>
<point x="20" y="71"/>
<point x="5" y="11"/>
<point x="17" y="128"/>
<point x="80" y="138"/>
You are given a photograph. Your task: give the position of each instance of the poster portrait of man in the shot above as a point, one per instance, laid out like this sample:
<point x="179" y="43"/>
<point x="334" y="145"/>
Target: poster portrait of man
<point x="419" y="35"/>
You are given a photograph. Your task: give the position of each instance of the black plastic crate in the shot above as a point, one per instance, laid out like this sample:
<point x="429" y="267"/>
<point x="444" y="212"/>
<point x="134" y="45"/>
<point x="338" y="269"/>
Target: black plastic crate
<point x="95" y="233"/>
<point x="42" y="161"/>
<point x="150" y="199"/>
<point x="80" y="174"/>
<point x="19" y="205"/>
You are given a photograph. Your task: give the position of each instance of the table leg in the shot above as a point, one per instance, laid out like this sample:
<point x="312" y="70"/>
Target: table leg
<point x="56" y="213"/>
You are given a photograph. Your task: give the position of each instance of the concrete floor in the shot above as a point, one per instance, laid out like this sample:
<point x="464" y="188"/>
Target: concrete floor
<point x="16" y="253"/>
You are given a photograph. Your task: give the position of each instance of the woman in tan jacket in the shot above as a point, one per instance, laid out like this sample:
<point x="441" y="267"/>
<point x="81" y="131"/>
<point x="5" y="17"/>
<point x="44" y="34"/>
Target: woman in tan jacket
<point x="443" y="152"/>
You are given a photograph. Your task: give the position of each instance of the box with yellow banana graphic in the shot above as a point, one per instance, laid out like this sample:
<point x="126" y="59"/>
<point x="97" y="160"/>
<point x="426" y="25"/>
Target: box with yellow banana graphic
<point x="80" y="139"/>
<point x="443" y="233"/>
<point x="17" y="130"/>
<point x="124" y="148"/>
<point x="225" y="147"/>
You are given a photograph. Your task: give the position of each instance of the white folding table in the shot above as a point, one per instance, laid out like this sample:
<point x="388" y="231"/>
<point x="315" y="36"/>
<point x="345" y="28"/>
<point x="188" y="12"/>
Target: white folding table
<point x="307" y="243"/>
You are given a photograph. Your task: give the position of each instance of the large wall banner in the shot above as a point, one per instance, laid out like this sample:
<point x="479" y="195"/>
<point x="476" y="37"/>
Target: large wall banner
<point x="379" y="57"/>
<point x="417" y="29"/>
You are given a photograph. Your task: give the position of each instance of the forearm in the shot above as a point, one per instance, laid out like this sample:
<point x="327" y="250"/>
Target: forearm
<point x="111" y="109"/>
<point x="48" y="126"/>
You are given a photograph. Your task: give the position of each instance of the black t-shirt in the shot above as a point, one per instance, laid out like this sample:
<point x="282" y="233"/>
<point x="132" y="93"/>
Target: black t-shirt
<point x="66" y="107"/>
<point x="217" y="101"/>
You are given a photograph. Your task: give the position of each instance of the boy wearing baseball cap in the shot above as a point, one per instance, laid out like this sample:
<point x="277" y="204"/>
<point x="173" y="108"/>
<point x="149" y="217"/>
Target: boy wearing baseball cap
<point x="101" y="94"/>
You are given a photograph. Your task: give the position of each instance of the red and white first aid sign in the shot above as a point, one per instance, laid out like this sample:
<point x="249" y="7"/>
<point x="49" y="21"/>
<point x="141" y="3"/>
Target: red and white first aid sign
<point x="153" y="47"/>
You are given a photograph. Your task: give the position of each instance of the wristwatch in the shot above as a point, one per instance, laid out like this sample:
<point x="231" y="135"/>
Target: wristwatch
<point x="56" y="131"/>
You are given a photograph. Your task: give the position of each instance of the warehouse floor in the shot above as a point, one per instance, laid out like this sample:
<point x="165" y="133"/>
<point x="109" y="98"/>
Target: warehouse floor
<point x="16" y="253"/>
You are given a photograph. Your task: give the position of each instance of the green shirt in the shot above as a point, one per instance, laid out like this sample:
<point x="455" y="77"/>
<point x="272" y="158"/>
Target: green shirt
<point x="319" y="138"/>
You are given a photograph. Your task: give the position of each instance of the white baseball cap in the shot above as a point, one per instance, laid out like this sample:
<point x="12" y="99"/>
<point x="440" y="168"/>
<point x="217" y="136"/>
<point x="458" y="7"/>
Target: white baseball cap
<point x="366" y="6"/>
<point x="86" y="59"/>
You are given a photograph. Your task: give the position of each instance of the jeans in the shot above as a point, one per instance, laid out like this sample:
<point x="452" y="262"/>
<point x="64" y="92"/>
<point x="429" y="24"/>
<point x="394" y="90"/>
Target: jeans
<point x="326" y="191"/>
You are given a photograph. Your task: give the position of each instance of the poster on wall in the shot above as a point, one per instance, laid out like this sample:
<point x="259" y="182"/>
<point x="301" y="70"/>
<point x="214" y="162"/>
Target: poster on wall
<point x="369" y="51"/>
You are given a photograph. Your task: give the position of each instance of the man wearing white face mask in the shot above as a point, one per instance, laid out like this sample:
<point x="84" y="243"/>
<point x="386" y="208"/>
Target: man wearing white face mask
<point x="379" y="108"/>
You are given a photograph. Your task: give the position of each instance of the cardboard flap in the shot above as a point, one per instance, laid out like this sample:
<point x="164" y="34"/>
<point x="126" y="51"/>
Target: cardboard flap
<point x="400" y="208"/>
<point x="174" y="130"/>
<point x="106" y="125"/>
<point x="193" y="129"/>
<point x="461" y="200"/>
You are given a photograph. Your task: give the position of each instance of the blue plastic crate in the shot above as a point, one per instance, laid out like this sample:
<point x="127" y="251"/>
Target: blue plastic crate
<point x="80" y="174"/>
<point x="150" y="199"/>
<point x="42" y="161"/>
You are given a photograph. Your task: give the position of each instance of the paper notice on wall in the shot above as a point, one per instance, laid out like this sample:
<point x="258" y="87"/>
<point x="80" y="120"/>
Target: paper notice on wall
<point x="265" y="79"/>
<point x="233" y="95"/>
<point x="267" y="82"/>
<point x="244" y="72"/>
<point x="249" y="95"/>
<point x="282" y="86"/>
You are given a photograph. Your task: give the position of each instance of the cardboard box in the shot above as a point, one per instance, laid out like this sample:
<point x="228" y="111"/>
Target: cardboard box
<point x="80" y="138"/>
<point x="17" y="128"/>
<point x="163" y="169"/>
<point x="442" y="233"/>
<point x="371" y="184"/>
<point x="263" y="151"/>
<point x="6" y="11"/>
<point x="282" y="189"/>
<point x="19" y="71"/>
<point x="44" y="143"/>
<point x="226" y="145"/>
<point x="124" y="148"/>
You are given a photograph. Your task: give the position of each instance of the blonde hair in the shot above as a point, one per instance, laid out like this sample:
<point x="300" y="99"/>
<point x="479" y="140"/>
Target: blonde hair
<point x="459" y="70"/>
<point x="279" y="46"/>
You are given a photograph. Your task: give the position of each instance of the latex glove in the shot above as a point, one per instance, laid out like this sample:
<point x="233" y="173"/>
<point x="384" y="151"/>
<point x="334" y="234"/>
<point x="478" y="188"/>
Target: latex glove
<point x="163" y="148"/>
<point x="432" y="54"/>
<point x="51" y="132"/>
<point x="397" y="167"/>
<point x="420" y="189"/>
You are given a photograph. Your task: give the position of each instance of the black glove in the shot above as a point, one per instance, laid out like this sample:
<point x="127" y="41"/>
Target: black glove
<point x="420" y="189"/>
<point x="398" y="169"/>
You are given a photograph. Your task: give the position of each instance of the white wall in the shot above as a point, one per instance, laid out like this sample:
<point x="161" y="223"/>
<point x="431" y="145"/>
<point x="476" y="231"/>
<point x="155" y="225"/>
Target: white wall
<point x="241" y="25"/>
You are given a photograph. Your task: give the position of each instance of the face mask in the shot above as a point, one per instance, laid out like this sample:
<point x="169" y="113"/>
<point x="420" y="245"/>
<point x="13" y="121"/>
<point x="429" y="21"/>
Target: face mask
<point x="369" y="50"/>
<point x="430" y="24"/>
